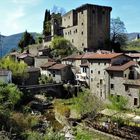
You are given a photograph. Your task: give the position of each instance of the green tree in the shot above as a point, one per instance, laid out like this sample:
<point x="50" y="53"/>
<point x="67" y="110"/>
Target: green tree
<point x="47" y="23"/>
<point x="9" y="95"/>
<point x="18" y="68"/>
<point x="118" y="32"/>
<point x="61" y="47"/>
<point x="87" y="103"/>
<point x="26" y="40"/>
<point x="117" y="102"/>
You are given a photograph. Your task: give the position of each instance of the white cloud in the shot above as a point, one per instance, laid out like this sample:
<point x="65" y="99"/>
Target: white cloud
<point x="25" y="2"/>
<point x="13" y="21"/>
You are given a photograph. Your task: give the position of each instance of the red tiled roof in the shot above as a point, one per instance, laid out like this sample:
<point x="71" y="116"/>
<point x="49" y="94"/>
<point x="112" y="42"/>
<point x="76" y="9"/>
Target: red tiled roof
<point x="57" y="67"/>
<point x="122" y="67"/>
<point x="48" y="64"/>
<point x="73" y="56"/>
<point x="101" y="56"/>
<point x="23" y="55"/>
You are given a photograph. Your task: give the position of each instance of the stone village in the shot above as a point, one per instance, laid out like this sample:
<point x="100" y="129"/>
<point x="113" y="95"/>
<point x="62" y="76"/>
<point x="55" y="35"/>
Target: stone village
<point x="105" y="73"/>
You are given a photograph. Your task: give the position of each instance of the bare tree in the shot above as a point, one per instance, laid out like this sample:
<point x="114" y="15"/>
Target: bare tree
<point x="118" y="31"/>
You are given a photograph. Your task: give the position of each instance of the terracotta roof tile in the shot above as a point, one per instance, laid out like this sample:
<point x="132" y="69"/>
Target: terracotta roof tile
<point x="121" y="67"/>
<point x="57" y="67"/>
<point x="23" y="55"/>
<point x="74" y="57"/>
<point x="101" y="56"/>
<point x="48" y="64"/>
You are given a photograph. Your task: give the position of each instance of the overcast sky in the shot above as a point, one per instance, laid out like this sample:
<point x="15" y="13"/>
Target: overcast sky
<point x="19" y="15"/>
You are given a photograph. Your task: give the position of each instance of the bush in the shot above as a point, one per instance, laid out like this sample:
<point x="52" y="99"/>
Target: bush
<point x="117" y="103"/>
<point x="44" y="79"/>
<point x="62" y="109"/>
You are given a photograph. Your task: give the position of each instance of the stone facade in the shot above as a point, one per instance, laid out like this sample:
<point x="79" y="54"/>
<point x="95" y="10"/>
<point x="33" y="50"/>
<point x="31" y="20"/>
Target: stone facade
<point x="87" y="27"/>
<point x="5" y="76"/>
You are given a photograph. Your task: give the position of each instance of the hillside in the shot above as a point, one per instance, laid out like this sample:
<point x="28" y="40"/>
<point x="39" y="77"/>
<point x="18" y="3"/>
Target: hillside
<point x="10" y="42"/>
<point x="133" y="45"/>
<point x="132" y="36"/>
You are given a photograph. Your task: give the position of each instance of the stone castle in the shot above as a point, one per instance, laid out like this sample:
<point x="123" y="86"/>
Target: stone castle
<point x="86" y="27"/>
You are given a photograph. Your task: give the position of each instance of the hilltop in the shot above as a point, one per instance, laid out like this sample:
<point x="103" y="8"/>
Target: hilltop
<point x="11" y="42"/>
<point x="132" y="36"/>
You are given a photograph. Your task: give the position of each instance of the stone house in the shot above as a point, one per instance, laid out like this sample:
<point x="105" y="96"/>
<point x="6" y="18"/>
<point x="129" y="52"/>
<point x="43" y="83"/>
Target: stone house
<point x="33" y="76"/>
<point x="27" y="58"/>
<point x="87" y="27"/>
<point x="44" y="68"/>
<point x="83" y="76"/>
<point x="14" y="55"/>
<point x="60" y="73"/>
<point x="74" y="61"/>
<point x="98" y="75"/>
<point x="5" y="76"/>
<point x="135" y="56"/>
<point x="119" y="77"/>
<point x="41" y="60"/>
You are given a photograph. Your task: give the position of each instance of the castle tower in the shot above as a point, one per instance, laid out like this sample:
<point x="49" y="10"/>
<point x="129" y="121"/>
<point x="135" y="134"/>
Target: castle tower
<point x="87" y="27"/>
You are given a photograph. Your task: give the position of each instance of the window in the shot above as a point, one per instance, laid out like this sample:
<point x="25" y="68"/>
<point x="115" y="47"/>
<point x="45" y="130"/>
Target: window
<point x="93" y="11"/>
<point x="75" y="30"/>
<point x="98" y="63"/>
<point x="101" y="81"/>
<point x="65" y="33"/>
<point x="53" y="73"/>
<point x="135" y="101"/>
<point x="91" y="71"/>
<point x="82" y="44"/>
<point x="111" y="75"/>
<point x="82" y="23"/>
<point x="98" y="72"/>
<point x="126" y="88"/>
<point x="69" y="17"/>
<point x="104" y="63"/>
<point x="84" y="69"/>
<point x="118" y="98"/>
<point x="70" y="32"/>
<point x="97" y="85"/>
<point x="125" y="75"/>
<point x="72" y="41"/>
<point x="112" y="86"/>
<point x="91" y="79"/>
<point x="101" y="93"/>
<point x="81" y="12"/>
<point x="82" y="32"/>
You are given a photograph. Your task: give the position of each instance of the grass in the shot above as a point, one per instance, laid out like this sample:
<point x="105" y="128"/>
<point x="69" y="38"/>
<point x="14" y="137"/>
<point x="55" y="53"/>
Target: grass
<point x="133" y="45"/>
<point x="84" y="134"/>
